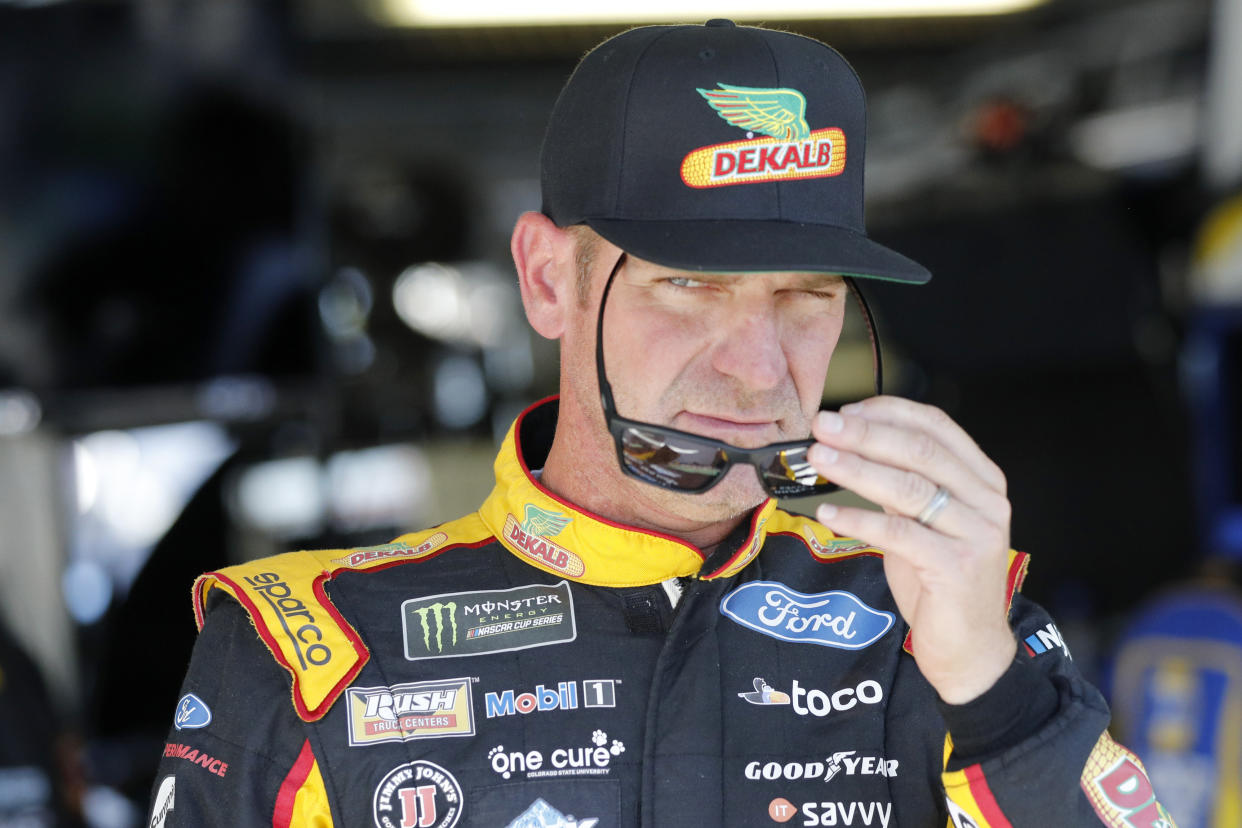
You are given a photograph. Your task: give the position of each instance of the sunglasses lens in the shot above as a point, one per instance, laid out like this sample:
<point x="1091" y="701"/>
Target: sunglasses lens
<point x="790" y="475"/>
<point x="671" y="461"/>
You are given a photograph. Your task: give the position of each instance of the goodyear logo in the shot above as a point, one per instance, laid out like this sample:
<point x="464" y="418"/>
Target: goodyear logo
<point x="831" y="619"/>
<point x="489" y="621"/>
<point x="790" y="150"/>
<point x="419" y="710"/>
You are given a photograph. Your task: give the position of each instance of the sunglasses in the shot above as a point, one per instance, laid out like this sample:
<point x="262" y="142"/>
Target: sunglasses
<point x="685" y="462"/>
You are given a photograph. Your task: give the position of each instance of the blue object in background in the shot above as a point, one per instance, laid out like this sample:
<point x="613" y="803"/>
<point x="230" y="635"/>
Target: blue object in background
<point x="1177" y="701"/>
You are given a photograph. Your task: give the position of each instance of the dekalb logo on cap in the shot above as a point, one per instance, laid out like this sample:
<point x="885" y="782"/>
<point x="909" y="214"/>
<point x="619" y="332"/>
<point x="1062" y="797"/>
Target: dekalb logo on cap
<point x="791" y="150"/>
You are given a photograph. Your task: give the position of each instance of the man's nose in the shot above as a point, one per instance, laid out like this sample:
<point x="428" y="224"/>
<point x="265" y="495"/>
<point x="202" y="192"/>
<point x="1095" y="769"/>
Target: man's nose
<point x="751" y="349"/>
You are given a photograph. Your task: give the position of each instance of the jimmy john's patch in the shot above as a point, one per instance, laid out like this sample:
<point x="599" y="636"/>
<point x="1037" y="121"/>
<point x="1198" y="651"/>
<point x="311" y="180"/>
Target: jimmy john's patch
<point x="417" y="793"/>
<point x="491" y="621"/>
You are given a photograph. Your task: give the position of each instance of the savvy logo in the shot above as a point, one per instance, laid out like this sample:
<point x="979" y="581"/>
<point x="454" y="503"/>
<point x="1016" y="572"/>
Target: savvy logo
<point x="829" y="619"/>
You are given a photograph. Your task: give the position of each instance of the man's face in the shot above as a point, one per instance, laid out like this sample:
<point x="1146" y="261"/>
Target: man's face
<point x="738" y="357"/>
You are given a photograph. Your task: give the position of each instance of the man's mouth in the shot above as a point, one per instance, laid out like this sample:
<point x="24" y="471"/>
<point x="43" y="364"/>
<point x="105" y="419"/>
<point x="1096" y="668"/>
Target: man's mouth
<point x="742" y="431"/>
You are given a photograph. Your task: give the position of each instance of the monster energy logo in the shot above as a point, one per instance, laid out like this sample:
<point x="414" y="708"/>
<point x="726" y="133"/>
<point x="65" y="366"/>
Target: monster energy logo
<point x="430" y="625"/>
<point x="434" y="615"/>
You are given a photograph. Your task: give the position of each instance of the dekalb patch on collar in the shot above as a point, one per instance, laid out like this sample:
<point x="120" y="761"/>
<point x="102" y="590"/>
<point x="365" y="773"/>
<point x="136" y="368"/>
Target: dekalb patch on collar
<point x="791" y="150"/>
<point x="489" y="621"/>
<point x="831" y="619"/>
<point x="533" y="539"/>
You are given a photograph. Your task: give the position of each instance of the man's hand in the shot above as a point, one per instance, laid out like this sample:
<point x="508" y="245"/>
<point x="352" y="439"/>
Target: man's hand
<point x="947" y="575"/>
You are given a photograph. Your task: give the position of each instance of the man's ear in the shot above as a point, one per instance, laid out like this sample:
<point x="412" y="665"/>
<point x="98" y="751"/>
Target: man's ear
<point x="547" y="275"/>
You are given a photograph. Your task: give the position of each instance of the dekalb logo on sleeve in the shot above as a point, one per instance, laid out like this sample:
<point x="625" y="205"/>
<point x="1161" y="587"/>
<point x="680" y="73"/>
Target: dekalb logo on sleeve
<point x="791" y="150"/>
<point x="830" y="619"/>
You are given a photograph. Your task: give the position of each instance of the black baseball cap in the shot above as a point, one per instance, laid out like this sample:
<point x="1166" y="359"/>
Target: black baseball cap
<point x="718" y="147"/>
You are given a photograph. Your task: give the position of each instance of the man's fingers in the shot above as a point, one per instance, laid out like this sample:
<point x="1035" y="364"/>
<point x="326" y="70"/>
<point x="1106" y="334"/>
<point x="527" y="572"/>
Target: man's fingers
<point x="905" y="416"/>
<point x="904" y="492"/>
<point x="895" y="534"/>
<point x="922" y="547"/>
<point x="894" y="466"/>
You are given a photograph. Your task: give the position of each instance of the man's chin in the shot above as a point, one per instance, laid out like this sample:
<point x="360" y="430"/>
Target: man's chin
<point x="727" y="500"/>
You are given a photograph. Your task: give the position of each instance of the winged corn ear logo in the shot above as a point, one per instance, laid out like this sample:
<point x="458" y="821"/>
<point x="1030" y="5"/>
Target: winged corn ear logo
<point x="791" y="150"/>
<point x="543" y="522"/>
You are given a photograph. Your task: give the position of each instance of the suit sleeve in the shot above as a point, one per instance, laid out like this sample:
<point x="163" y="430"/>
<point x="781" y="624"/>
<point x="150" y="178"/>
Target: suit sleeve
<point x="1035" y="750"/>
<point x="236" y="753"/>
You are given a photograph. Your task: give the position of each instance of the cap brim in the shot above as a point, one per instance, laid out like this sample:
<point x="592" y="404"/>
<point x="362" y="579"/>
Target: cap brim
<point x="739" y="245"/>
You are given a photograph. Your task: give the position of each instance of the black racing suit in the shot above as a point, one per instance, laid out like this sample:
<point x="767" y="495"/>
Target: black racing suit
<point x="534" y="665"/>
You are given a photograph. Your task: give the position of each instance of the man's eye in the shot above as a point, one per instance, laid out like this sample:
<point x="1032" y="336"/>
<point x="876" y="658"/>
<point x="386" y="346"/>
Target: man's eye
<point x="685" y="282"/>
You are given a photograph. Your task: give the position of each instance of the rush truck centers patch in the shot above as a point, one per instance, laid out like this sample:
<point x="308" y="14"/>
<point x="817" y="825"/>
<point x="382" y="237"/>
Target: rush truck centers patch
<point x="791" y="150"/>
<point x="419" y="710"/>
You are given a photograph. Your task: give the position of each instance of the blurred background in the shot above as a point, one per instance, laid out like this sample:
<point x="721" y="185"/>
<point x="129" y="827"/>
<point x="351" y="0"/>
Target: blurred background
<point x="255" y="295"/>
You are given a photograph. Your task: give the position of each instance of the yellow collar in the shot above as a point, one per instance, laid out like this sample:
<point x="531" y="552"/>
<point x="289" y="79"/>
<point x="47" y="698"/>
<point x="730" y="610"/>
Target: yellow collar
<point x="552" y="534"/>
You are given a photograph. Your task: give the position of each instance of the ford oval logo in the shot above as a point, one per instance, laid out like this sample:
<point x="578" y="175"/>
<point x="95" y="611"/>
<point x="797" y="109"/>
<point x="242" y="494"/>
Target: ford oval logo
<point x="192" y="712"/>
<point x="830" y="619"/>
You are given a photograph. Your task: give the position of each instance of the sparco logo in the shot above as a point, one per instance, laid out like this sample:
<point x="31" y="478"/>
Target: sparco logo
<point x="295" y="618"/>
<point x="417" y="794"/>
<point x="419" y="710"/>
<point x="472" y="623"/>
<point x="830" y="619"/>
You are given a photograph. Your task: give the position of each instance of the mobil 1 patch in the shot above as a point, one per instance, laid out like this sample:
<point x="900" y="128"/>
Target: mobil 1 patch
<point x="457" y="624"/>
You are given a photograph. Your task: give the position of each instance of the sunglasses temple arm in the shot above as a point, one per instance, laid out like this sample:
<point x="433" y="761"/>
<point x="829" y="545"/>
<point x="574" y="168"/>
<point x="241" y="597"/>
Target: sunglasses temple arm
<point x="605" y="389"/>
<point x="872" y="333"/>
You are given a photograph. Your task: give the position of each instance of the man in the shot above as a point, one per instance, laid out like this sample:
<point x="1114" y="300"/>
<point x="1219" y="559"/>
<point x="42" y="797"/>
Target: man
<point x="628" y="632"/>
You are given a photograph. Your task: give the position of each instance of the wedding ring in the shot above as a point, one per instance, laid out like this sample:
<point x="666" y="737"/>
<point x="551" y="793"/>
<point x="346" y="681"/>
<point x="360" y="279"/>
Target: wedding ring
<point x="934" y="506"/>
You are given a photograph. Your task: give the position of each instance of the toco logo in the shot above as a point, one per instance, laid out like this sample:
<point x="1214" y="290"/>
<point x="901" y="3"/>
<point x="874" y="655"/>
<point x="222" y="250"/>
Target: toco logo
<point x="830" y="619"/>
<point x="489" y="621"/>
